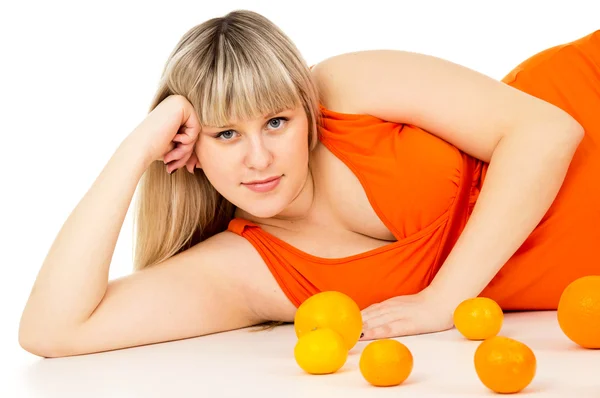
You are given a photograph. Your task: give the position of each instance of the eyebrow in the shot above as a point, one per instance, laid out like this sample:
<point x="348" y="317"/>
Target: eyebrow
<point x="269" y="115"/>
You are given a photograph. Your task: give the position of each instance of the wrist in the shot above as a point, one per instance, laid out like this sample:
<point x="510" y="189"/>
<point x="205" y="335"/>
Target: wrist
<point x="132" y="148"/>
<point x="444" y="297"/>
<point x="131" y="151"/>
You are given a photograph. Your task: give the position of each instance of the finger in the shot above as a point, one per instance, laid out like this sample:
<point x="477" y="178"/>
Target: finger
<point x="374" y="311"/>
<point x="178" y="153"/>
<point x="192" y="163"/>
<point x="191" y="125"/>
<point x="189" y="166"/>
<point x="382" y="319"/>
<point x="397" y="328"/>
<point x="184" y="138"/>
<point x="176" y="164"/>
<point x="380" y="332"/>
<point x="171" y="147"/>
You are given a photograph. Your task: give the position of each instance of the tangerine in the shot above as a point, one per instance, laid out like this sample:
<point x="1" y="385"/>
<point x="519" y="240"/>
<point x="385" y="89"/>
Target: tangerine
<point x="504" y="365"/>
<point x="478" y="318"/>
<point x="321" y="351"/>
<point x="578" y="311"/>
<point x="386" y="362"/>
<point x="330" y="309"/>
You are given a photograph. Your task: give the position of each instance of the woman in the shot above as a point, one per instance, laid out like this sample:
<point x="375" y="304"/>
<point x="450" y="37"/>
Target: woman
<point x="376" y="162"/>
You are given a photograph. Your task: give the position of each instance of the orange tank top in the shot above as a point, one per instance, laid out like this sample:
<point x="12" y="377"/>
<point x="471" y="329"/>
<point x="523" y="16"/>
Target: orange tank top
<point x="424" y="200"/>
<point x="424" y="189"/>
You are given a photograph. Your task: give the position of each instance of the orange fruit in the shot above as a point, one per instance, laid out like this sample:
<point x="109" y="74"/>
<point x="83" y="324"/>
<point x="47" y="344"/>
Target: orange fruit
<point x="505" y="365"/>
<point x="321" y="351"/>
<point x="332" y="310"/>
<point x="385" y="363"/>
<point x="478" y="318"/>
<point x="578" y="311"/>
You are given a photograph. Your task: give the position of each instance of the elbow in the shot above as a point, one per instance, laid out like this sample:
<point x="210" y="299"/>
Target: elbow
<point x="36" y="346"/>
<point x="572" y="129"/>
<point x="579" y="132"/>
<point x="563" y="136"/>
<point x="33" y="346"/>
<point x="43" y="349"/>
<point x="41" y="344"/>
<point x="564" y="129"/>
<point x="575" y="131"/>
<point x="574" y="134"/>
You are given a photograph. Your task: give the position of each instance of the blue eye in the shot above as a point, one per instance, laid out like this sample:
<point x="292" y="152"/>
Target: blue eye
<point x="227" y="135"/>
<point x="222" y="134"/>
<point x="280" y="120"/>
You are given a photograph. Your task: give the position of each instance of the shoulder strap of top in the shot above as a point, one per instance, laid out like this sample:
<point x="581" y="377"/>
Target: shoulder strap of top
<point x="238" y="225"/>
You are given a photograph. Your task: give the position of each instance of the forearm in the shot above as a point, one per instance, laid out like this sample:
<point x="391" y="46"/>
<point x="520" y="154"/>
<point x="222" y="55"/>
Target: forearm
<point x="74" y="274"/>
<point x="524" y="176"/>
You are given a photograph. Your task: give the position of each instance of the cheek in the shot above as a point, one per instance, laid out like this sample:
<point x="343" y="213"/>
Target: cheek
<point x="296" y="150"/>
<point x="215" y="166"/>
<point x="206" y="152"/>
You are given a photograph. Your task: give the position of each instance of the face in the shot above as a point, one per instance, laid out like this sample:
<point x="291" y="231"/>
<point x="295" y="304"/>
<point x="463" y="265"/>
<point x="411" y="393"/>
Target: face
<point x="244" y="151"/>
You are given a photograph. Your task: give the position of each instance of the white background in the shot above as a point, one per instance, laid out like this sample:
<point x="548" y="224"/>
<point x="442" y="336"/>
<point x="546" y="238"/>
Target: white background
<point x="77" y="77"/>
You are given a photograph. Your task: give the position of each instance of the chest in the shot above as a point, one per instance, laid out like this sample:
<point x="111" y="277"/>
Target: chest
<point x="345" y="223"/>
<point x="400" y="182"/>
<point x="346" y="198"/>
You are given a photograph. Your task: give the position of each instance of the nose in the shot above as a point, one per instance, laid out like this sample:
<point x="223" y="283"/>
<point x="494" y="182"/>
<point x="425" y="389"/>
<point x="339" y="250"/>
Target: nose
<point x="258" y="155"/>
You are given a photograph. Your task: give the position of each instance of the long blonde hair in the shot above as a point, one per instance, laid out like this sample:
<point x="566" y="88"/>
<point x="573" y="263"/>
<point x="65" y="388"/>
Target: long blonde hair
<point x="238" y="66"/>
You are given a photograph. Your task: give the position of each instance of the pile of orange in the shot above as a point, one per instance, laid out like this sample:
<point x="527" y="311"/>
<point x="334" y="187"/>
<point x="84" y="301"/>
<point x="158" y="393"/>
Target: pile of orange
<point x="503" y="365"/>
<point x="328" y="325"/>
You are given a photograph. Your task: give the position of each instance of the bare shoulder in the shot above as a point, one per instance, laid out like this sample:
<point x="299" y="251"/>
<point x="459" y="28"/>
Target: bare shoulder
<point x="337" y="77"/>
<point x="237" y="262"/>
<point x="248" y="264"/>
<point x="360" y="81"/>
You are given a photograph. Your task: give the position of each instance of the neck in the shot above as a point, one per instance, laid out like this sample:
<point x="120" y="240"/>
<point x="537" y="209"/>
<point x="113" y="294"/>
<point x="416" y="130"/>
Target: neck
<point x="300" y="209"/>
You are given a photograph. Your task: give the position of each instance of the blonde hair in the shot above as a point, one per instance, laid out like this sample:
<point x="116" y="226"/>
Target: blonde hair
<point x="238" y="66"/>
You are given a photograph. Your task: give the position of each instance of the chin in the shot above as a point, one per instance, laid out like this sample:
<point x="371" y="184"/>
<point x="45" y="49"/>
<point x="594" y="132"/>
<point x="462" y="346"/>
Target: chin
<point x="266" y="209"/>
<point x="267" y="206"/>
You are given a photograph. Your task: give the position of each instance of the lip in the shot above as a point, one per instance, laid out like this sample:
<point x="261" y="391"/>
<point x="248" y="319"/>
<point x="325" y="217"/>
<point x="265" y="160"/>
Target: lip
<point x="264" y="185"/>
<point x="261" y="181"/>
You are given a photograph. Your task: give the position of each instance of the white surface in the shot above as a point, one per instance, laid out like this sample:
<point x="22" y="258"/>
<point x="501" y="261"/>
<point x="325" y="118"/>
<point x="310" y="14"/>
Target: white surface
<point x="238" y="363"/>
<point x="77" y="77"/>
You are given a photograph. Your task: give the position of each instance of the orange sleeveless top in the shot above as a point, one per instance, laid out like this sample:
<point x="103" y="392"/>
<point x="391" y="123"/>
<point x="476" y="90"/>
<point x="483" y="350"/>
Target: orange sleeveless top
<point x="421" y="188"/>
<point x="424" y="189"/>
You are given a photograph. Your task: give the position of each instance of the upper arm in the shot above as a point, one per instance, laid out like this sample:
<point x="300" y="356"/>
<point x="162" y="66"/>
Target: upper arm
<point x="465" y="108"/>
<point x="196" y="292"/>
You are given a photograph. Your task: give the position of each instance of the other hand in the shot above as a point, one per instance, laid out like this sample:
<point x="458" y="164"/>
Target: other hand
<point x="169" y="133"/>
<point x="419" y="313"/>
